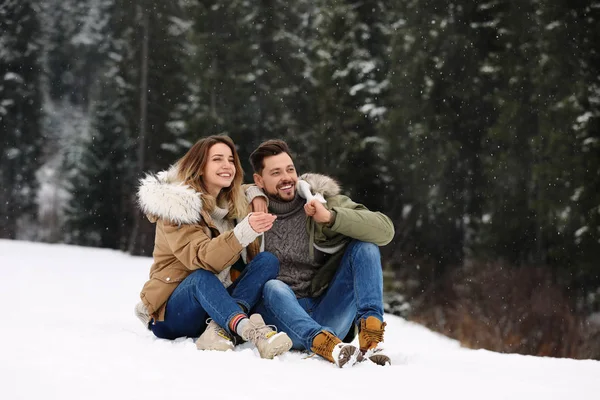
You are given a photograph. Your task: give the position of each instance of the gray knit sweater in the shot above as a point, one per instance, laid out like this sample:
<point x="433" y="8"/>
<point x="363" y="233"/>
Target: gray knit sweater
<point x="289" y="241"/>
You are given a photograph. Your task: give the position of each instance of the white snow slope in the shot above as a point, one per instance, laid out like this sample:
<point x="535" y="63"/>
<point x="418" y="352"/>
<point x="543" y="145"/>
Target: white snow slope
<point x="68" y="331"/>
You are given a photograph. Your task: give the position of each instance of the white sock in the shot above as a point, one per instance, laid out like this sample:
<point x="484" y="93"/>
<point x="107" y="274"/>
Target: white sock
<point x="241" y="325"/>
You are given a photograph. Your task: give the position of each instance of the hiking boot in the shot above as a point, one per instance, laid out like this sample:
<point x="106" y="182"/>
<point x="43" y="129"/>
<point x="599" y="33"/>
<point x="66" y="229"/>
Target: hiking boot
<point x="142" y="313"/>
<point x="266" y="339"/>
<point x="215" y="338"/>
<point x="369" y="337"/>
<point x="331" y="348"/>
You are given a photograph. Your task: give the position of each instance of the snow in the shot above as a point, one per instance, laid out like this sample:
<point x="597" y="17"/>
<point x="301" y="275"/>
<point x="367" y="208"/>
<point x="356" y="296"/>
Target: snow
<point x="68" y="332"/>
<point x="581" y="231"/>
<point x="372" y="110"/>
<point x="11" y="76"/>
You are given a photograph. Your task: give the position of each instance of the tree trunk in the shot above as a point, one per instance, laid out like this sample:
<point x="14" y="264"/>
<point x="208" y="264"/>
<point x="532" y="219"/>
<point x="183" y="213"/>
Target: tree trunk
<point x="139" y="239"/>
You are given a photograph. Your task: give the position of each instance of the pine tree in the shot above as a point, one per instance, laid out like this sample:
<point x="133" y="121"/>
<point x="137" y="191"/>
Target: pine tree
<point x="541" y="193"/>
<point x="237" y="73"/>
<point x="20" y="113"/>
<point x="442" y="70"/>
<point x="98" y="165"/>
<point x="148" y="54"/>
<point x="98" y="213"/>
<point x="569" y="175"/>
<point x="348" y="71"/>
<point x="308" y="72"/>
<point x="492" y="138"/>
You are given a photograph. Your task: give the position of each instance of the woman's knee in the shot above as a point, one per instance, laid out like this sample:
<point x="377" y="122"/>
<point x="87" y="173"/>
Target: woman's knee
<point x="199" y="277"/>
<point x="161" y="331"/>
<point x="267" y="257"/>
<point x="268" y="263"/>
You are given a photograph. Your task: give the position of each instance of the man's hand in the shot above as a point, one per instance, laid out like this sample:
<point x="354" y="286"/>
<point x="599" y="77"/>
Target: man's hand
<point x="261" y="222"/>
<point x="317" y="211"/>
<point x="259" y="204"/>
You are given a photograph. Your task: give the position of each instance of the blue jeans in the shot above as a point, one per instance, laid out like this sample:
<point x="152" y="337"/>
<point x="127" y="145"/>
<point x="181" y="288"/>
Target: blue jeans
<point x="202" y="295"/>
<point x="354" y="293"/>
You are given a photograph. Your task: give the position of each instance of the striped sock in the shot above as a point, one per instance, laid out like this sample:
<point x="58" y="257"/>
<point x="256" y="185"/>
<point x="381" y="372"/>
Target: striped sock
<point x="240" y="326"/>
<point x="233" y="324"/>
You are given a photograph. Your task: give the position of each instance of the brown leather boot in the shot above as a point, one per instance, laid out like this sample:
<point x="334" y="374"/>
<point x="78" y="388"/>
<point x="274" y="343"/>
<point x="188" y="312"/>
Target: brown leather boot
<point x="369" y="337"/>
<point x="331" y="348"/>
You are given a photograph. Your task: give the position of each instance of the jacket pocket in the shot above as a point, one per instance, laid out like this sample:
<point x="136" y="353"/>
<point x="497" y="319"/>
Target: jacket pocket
<point x="159" y="287"/>
<point x="171" y="275"/>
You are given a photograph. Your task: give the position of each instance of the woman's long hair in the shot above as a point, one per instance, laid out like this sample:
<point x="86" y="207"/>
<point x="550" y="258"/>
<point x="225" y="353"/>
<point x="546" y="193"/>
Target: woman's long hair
<point x="190" y="169"/>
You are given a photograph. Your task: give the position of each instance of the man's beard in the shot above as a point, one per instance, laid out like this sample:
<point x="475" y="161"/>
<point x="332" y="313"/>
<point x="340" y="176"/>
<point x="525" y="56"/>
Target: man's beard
<point x="277" y="197"/>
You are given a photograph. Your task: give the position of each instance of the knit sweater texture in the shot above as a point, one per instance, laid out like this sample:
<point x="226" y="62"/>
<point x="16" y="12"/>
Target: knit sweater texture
<point x="224" y="225"/>
<point x="288" y="240"/>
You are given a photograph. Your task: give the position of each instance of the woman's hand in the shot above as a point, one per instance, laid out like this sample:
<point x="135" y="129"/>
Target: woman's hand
<point x="261" y="221"/>
<point x="259" y="204"/>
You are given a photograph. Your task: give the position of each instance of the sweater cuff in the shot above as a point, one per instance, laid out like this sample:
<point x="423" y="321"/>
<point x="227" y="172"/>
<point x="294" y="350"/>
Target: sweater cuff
<point x="254" y="191"/>
<point x="244" y="232"/>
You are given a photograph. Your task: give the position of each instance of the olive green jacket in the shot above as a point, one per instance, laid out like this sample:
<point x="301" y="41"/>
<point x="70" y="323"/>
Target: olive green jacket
<point x="351" y="221"/>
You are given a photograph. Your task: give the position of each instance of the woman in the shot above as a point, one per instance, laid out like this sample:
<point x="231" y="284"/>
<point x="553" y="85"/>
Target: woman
<point x="197" y="252"/>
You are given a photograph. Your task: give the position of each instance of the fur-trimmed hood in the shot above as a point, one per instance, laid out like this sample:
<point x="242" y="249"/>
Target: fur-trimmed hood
<point x="163" y="196"/>
<point x="316" y="186"/>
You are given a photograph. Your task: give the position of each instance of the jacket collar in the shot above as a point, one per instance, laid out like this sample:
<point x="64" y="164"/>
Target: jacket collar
<point x="321" y="184"/>
<point x="163" y="196"/>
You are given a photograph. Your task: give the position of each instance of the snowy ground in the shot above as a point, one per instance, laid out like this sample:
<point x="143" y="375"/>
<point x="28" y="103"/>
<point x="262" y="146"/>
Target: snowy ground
<point x="68" y="332"/>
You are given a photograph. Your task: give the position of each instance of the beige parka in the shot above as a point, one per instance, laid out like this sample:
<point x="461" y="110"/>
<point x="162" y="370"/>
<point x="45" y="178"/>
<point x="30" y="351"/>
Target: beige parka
<point x="186" y="239"/>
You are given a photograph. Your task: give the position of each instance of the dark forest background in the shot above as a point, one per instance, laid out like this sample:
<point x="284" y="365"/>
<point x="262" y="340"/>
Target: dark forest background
<point x="475" y="125"/>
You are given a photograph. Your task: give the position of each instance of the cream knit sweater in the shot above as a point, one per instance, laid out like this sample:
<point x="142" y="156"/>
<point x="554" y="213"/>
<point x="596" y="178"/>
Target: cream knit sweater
<point x="242" y="231"/>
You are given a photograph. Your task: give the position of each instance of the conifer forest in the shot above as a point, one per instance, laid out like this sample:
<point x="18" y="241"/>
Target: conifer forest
<point x="474" y="125"/>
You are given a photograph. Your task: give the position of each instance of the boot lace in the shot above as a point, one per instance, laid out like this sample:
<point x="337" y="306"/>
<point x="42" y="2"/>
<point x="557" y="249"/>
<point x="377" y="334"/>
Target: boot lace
<point x="220" y="331"/>
<point x="373" y="335"/>
<point x="255" y="333"/>
<point x="325" y="349"/>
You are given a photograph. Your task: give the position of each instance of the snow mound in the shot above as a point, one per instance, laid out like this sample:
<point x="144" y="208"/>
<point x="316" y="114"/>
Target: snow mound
<point x="68" y="332"/>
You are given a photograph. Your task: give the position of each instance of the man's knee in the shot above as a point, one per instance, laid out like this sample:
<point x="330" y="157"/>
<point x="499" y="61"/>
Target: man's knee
<point x="275" y="286"/>
<point x="365" y="249"/>
<point x="275" y="289"/>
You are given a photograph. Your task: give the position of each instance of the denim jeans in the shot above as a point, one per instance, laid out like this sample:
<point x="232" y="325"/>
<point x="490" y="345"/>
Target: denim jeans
<point x="202" y="295"/>
<point x="354" y="293"/>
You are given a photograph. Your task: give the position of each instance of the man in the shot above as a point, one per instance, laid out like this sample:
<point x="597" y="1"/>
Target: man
<point x="330" y="276"/>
